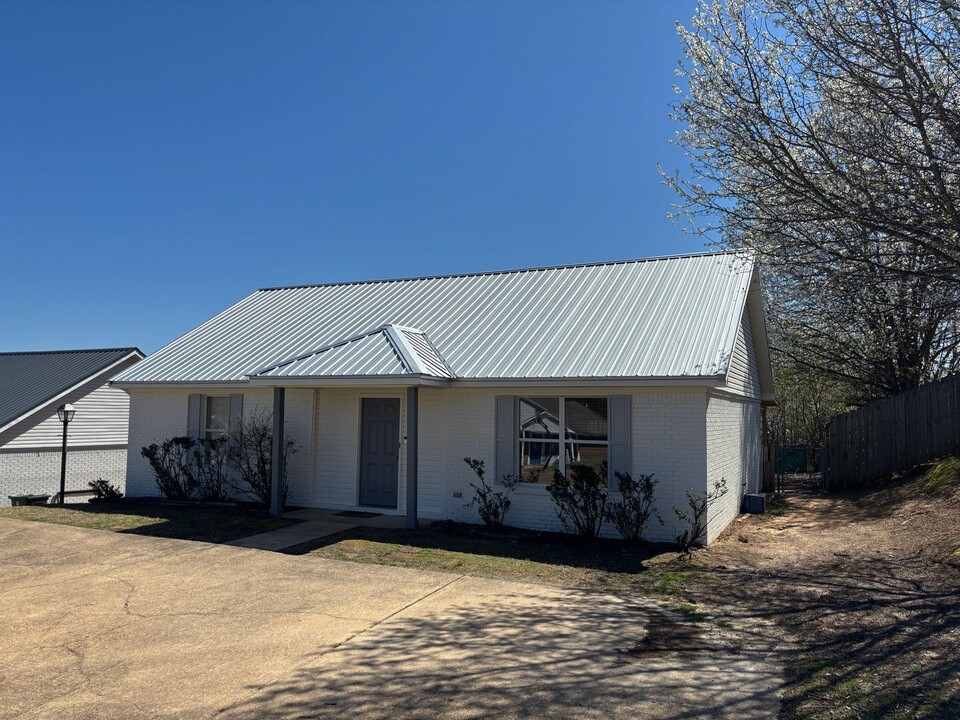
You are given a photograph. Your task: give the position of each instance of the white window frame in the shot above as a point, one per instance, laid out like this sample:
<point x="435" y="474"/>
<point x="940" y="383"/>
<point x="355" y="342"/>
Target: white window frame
<point x="561" y="434"/>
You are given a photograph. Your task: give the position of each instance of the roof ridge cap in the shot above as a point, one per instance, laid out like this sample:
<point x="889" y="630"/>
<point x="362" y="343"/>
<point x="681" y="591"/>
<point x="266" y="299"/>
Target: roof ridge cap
<point x="481" y="273"/>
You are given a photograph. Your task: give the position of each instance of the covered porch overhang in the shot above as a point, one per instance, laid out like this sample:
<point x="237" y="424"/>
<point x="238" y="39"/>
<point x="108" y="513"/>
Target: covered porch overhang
<point x="411" y="440"/>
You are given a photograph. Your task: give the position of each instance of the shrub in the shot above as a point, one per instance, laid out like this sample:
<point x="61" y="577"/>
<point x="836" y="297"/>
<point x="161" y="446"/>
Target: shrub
<point x="171" y="463"/>
<point x="249" y="450"/>
<point x="210" y="468"/>
<point x="103" y="490"/>
<point x="697" y="518"/>
<point x="632" y="511"/>
<point x="581" y="499"/>
<point x="491" y="504"/>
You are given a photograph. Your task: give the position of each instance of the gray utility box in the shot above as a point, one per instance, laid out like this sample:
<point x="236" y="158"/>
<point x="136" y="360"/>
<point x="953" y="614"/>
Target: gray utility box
<point x="756" y="504"/>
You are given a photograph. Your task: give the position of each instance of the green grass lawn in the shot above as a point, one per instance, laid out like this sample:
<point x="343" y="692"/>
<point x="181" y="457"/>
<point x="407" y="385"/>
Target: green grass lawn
<point x="539" y="558"/>
<point x="184" y="522"/>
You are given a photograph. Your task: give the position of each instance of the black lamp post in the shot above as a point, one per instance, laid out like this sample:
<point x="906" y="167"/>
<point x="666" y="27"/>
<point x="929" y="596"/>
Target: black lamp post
<point x="65" y="413"/>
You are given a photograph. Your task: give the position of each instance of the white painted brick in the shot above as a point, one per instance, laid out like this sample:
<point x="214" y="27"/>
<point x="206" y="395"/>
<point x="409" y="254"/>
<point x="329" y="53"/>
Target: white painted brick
<point x="672" y="438"/>
<point x="37" y="472"/>
<point x="733" y="453"/>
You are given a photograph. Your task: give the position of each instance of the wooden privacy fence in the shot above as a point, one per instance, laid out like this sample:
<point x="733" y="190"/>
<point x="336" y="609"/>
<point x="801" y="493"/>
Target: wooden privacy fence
<point x="894" y="435"/>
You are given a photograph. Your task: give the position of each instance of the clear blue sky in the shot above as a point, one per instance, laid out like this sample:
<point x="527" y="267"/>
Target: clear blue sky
<point x="159" y="161"/>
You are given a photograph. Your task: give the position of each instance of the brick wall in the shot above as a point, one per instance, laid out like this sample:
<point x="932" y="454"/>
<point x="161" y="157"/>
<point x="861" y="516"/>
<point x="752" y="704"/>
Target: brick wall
<point x="37" y="472"/>
<point x="668" y="440"/>
<point x="676" y="436"/>
<point x="733" y="453"/>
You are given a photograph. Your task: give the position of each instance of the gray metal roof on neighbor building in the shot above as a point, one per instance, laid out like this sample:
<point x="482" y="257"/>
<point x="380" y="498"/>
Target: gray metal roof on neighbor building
<point x="674" y="317"/>
<point x="29" y="380"/>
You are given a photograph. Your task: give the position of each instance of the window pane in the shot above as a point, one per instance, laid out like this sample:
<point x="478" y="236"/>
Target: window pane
<point x="538" y="461"/>
<point x="539" y="418"/>
<point x="218" y="413"/>
<point x="586" y="418"/>
<point x="593" y="455"/>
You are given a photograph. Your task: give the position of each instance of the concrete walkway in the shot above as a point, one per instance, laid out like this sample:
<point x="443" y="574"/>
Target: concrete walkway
<point x="316" y="523"/>
<point x="108" y="625"/>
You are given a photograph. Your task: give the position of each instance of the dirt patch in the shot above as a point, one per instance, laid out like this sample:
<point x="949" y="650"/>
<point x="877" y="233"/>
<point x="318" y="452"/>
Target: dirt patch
<point x="864" y="588"/>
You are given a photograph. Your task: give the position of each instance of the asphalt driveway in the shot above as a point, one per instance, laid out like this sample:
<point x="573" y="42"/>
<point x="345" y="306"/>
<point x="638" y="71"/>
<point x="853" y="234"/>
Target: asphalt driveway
<point x="105" y="625"/>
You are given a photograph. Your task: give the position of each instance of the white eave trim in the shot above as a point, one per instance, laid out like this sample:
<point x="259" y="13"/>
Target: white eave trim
<point x="688" y="381"/>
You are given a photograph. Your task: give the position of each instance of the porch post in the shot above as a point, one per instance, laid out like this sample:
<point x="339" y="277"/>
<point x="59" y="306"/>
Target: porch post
<point x="412" y="445"/>
<point x="276" y="458"/>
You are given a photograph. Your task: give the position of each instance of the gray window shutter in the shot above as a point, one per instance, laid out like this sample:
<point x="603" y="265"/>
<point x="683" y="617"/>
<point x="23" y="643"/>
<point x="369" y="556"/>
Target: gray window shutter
<point x="505" y="458"/>
<point x="193" y="415"/>
<point x="619" y="437"/>
<point x="236" y="409"/>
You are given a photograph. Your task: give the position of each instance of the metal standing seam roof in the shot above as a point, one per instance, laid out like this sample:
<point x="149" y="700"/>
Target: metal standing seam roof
<point x="388" y="351"/>
<point x="29" y="380"/>
<point x="673" y="317"/>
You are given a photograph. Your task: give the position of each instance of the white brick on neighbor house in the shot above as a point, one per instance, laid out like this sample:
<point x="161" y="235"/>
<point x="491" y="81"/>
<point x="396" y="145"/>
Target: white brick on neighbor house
<point x="37" y="472"/>
<point x="733" y="454"/>
<point x="30" y="450"/>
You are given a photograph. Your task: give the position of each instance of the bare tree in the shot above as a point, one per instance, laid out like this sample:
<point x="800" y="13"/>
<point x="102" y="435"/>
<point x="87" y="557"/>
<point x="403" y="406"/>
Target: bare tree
<point x="825" y="137"/>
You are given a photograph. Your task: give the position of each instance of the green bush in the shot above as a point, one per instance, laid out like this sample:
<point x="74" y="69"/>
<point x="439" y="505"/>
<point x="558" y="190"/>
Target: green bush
<point x="631" y="513"/>
<point x="171" y="463"/>
<point x="491" y="504"/>
<point x="697" y="517"/>
<point x="249" y="453"/>
<point x="581" y="499"/>
<point x="210" y="469"/>
<point x="103" y="490"/>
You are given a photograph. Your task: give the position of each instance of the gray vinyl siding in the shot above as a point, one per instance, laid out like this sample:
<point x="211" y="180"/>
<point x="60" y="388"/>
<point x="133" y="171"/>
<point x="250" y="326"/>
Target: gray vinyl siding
<point x="101" y="421"/>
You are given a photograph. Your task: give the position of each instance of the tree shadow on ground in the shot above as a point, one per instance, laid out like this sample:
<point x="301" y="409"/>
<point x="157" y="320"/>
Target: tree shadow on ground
<point x="537" y="653"/>
<point x="868" y="633"/>
<point x="863" y="594"/>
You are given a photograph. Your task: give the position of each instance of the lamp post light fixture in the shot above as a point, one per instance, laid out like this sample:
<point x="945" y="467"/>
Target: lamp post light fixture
<point x="65" y="413"/>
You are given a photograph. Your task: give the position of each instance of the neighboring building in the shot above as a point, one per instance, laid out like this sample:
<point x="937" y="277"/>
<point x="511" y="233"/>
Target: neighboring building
<point x="658" y="366"/>
<point x="32" y="386"/>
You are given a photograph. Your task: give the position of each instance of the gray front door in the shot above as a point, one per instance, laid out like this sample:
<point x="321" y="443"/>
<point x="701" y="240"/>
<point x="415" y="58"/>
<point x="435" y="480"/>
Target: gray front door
<point x="379" y="451"/>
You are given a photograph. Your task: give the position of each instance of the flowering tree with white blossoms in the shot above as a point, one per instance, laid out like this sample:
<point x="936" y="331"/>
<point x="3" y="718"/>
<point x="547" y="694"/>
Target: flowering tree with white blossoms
<point x="825" y="137"/>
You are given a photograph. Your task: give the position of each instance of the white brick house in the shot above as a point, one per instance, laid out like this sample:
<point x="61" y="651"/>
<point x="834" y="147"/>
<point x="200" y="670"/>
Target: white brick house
<point x="655" y="366"/>
<point x="32" y="386"/>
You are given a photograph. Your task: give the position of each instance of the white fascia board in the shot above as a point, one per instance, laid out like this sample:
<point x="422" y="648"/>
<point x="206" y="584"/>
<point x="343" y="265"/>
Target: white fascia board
<point x="169" y="384"/>
<point x="675" y="381"/>
<point x="692" y="382"/>
<point x="761" y="342"/>
<point x="103" y="374"/>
